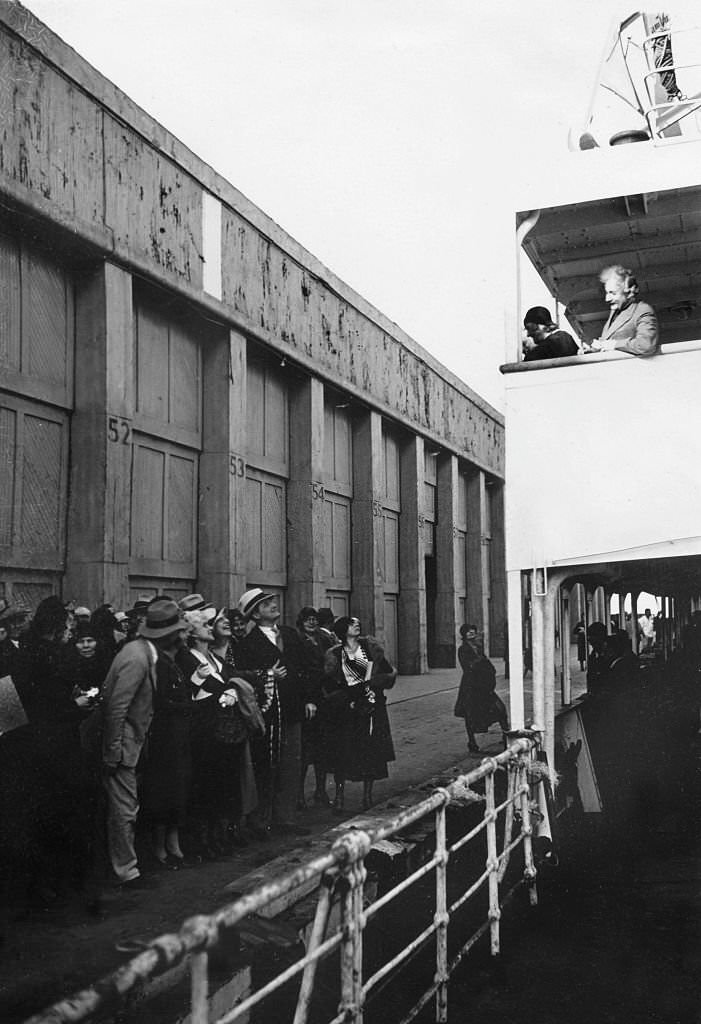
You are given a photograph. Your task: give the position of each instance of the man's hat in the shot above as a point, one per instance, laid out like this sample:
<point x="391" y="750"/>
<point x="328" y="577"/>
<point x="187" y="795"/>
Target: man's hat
<point x="163" y="617"/>
<point x="81" y="612"/>
<point x="192" y="603"/>
<point x="249" y="601"/>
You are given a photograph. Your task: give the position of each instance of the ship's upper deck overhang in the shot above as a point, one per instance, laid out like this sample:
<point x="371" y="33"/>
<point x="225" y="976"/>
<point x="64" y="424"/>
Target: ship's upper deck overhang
<point x="655" y="234"/>
<point x="603" y="450"/>
<point x="635" y="205"/>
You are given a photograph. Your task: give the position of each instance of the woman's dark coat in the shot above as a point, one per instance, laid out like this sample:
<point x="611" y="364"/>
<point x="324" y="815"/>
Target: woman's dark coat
<point x="167" y="762"/>
<point x="477" y="702"/>
<point x="311" y="660"/>
<point x="357" y="734"/>
<point x="48" y="792"/>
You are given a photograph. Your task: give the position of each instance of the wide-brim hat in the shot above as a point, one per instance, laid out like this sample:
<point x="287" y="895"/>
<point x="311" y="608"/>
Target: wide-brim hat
<point x="249" y="601"/>
<point x="162" y="618"/>
<point x="192" y="602"/>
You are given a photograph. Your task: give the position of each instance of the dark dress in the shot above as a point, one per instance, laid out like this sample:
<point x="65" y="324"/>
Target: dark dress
<point x="312" y="653"/>
<point x="222" y="786"/>
<point x="48" y="796"/>
<point x="168" y="764"/>
<point x="357" y="734"/>
<point x="206" y="801"/>
<point x="477" y="702"/>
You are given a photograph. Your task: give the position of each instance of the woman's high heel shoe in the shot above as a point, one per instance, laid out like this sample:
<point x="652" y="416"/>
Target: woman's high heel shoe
<point x="167" y="863"/>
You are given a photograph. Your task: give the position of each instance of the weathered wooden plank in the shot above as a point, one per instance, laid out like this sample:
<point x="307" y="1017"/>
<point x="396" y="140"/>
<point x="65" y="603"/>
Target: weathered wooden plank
<point x="51" y="141"/>
<point x="278" y="295"/>
<point x="152" y="206"/>
<point x="72" y="140"/>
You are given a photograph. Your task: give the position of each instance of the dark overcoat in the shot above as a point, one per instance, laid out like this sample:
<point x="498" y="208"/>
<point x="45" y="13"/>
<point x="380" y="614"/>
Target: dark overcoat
<point x="354" y="719"/>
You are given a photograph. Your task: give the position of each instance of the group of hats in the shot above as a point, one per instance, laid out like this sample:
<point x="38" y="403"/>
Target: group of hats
<point x="165" y="616"/>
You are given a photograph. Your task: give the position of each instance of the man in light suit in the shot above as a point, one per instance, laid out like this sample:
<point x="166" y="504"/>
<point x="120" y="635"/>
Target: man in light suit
<point x="632" y="324"/>
<point x="275" y="652"/>
<point x="127" y="711"/>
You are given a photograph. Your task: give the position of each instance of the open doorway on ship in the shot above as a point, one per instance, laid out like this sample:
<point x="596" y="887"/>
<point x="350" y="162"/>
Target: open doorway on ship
<point x="621" y="722"/>
<point x="609" y="599"/>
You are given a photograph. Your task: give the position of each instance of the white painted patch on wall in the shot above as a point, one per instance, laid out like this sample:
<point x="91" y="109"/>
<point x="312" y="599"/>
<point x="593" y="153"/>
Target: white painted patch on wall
<point x="211" y="244"/>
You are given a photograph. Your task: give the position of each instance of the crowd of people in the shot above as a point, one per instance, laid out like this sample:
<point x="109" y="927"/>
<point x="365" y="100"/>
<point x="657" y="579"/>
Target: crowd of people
<point x="198" y="725"/>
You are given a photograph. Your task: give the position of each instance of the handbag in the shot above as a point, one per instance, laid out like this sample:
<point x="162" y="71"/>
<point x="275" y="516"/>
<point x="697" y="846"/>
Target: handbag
<point x="248" y="706"/>
<point x="230" y="726"/>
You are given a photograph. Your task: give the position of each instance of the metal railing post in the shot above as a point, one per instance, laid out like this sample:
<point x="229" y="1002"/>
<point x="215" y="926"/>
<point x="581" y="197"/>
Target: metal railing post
<point x="508" y="818"/>
<point x="352" y="944"/>
<point x="321" y="920"/>
<point x="199" y="988"/>
<point x="442" y="917"/>
<point x="341" y="871"/>
<point x="529" y="871"/>
<point x="492" y="860"/>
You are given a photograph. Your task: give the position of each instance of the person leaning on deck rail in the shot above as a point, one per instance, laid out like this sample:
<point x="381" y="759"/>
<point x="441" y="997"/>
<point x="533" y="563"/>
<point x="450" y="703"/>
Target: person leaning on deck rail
<point x="544" y="339"/>
<point x="632" y="324"/>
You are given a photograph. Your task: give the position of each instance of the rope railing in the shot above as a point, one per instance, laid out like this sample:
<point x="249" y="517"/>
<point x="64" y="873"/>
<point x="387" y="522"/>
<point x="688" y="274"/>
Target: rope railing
<point x="341" y="873"/>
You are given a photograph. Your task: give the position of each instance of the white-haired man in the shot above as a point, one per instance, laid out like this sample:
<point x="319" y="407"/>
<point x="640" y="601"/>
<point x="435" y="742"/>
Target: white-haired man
<point x="632" y="324"/>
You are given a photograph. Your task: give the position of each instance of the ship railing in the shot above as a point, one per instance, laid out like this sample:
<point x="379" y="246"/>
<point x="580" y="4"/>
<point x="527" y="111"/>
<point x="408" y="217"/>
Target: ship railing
<point x="506" y="823"/>
<point x="672" y="56"/>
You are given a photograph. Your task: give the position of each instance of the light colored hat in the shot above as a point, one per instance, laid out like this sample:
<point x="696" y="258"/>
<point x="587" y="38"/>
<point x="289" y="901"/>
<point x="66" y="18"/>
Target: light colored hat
<point x="81" y="612"/>
<point x="249" y="601"/>
<point x="162" y="618"/>
<point x="192" y="603"/>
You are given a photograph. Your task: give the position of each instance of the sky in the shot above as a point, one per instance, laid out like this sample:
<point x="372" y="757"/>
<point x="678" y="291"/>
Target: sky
<point x="386" y="136"/>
